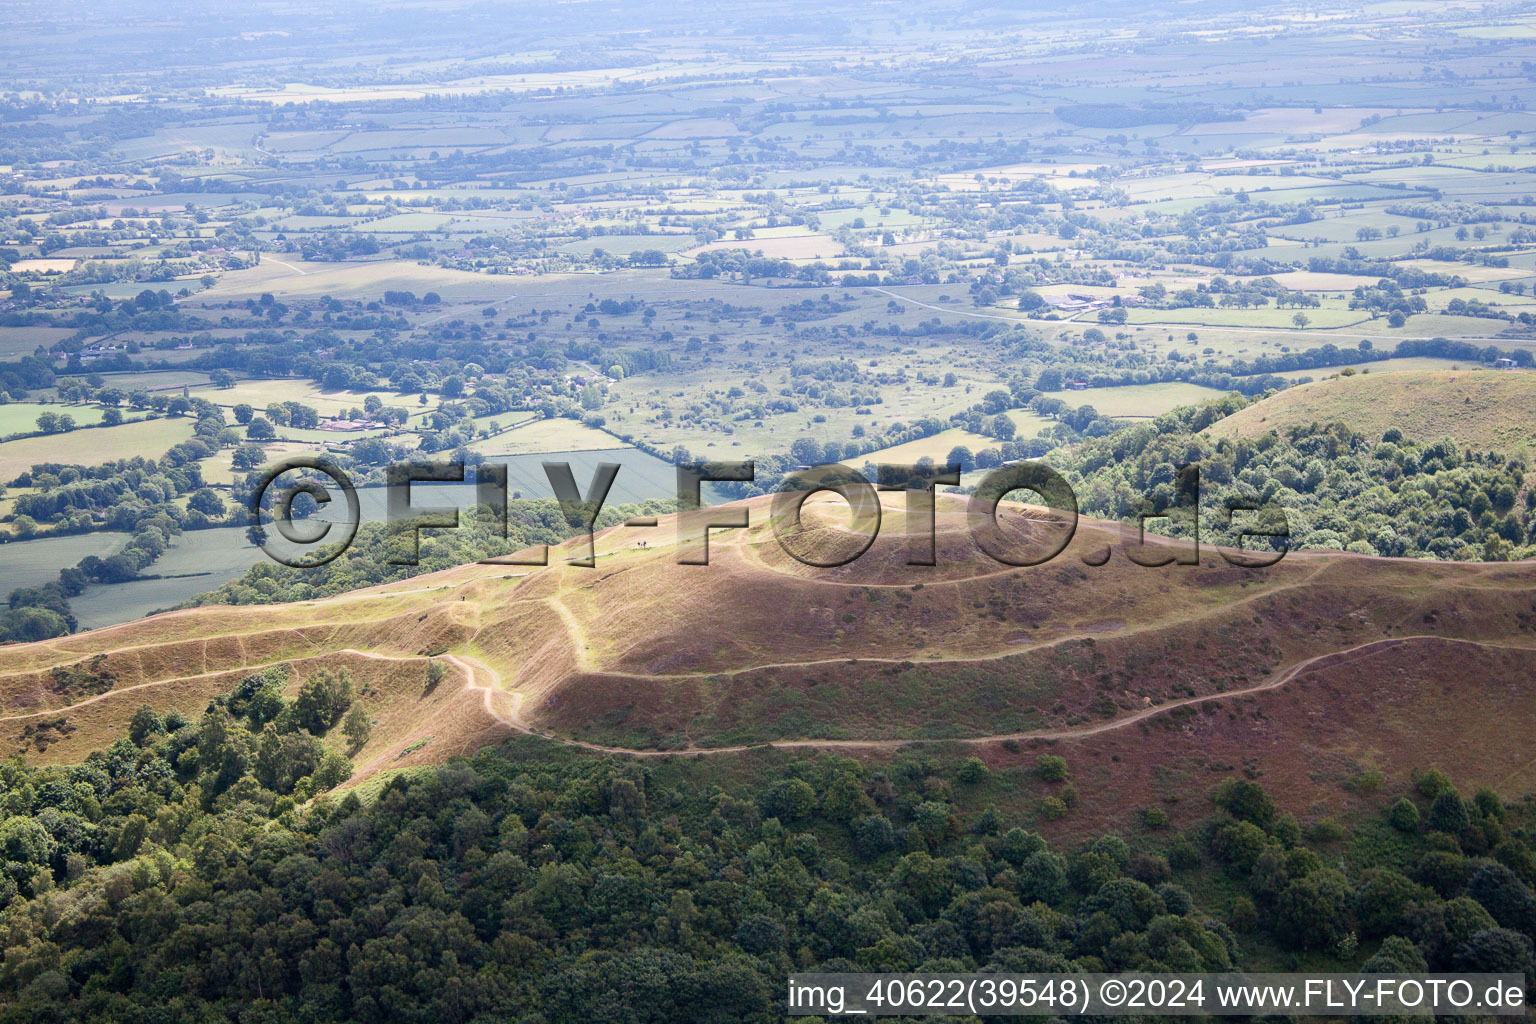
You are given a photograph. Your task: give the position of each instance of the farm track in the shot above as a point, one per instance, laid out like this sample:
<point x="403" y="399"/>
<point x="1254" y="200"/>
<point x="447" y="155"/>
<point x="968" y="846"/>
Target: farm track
<point x="290" y="266"/>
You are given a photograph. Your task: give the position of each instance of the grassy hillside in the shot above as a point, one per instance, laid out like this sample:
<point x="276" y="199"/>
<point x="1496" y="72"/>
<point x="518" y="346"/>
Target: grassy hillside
<point x="1481" y="409"/>
<point x="646" y="656"/>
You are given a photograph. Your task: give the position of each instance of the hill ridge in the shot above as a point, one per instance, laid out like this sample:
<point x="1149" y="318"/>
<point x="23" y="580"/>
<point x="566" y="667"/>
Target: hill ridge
<point x="1470" y="406"/>
<point x="654" y="659"/>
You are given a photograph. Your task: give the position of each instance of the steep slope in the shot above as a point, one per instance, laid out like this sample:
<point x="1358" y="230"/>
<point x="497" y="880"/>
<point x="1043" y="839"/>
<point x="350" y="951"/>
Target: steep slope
<point x="1167" y="670"/>
<point x="1486" y="410"/>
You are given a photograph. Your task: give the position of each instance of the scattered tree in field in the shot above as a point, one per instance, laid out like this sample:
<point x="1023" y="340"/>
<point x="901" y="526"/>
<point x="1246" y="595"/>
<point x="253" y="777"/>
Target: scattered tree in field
<point x="961" y="456"/>
<point x="207" y="502"/>
<point x="55" y="423"/>
<point x="323" y="699"/>
<point x="247" y="456"/>
<point x="357" y="726"/>
<point x="1052" y="767"/>
<point x="435" y="671"/>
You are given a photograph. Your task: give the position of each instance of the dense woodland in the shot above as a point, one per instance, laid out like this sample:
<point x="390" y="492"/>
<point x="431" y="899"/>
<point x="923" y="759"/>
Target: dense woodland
<point x="1339" y="490"/>
<point x="188" y="873"/>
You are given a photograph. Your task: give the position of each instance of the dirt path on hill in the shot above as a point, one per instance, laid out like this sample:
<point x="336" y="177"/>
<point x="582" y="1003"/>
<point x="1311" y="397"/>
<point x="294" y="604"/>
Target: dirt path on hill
<point x="513" y="719"/>
<point x="67" y="708"/>
<point x="928" y="658"/>
<point x="505" y="706"/>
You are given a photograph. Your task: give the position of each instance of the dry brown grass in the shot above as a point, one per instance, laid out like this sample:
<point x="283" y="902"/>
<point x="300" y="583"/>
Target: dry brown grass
<point x="1479" y="408"/>
<point x="1462" y="707"/>
<point x="641" y="652"/>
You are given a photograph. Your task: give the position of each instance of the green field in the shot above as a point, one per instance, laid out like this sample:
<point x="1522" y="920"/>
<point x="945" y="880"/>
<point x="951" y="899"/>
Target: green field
<point x="1386" y="366"/>
<point x="31" y="563"/>
<point x="316" y="436"/>
<point x="936" y="447"/>
<point x="21" y="417"/>
<point x="261" y="393"/>
<point x="556" y="435"/>
<point x="1029" y="424"/>
<point x="1271" y="318"/>
<point x="23" y="341"/>
<point x="623" y="245"/>
<point x="149" y="438"/>
<point x="156" y="380"/>
<point x="298" y="280"/>
<point x="198" y="561"/>
<point x="1139" y="401"/>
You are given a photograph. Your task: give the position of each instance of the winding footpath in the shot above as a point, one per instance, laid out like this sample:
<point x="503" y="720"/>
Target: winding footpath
<point x="513" y="719"/>
<point x="505" y="705"/>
